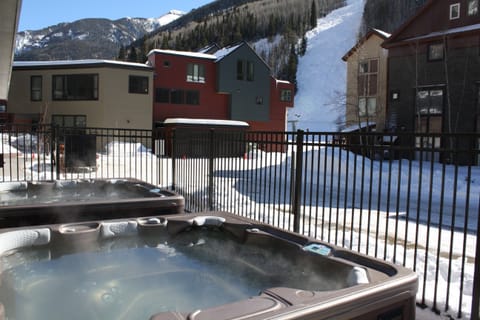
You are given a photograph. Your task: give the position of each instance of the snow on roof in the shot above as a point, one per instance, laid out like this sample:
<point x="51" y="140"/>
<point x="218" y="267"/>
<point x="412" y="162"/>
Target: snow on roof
<point x="358" y="126"/>
<point x="383" y="33"/>
<point x="222" y="53"/>
<point x="473" y="27"/>
<point x="184" y="54"/>
<point x="212" y="122"/>
<point x="54" y="63"/>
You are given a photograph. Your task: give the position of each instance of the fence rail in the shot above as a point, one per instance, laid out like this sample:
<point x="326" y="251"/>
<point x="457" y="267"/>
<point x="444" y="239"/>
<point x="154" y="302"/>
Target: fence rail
<point x="408" y="198"/>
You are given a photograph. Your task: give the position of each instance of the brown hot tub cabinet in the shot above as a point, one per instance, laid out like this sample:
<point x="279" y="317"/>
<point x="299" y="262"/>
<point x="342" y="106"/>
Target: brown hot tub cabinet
<point x="63" y="201"/>
<point x="321" y="281"/>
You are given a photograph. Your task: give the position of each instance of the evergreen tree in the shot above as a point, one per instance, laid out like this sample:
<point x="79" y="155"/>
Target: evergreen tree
<point x="292" y="65"/>
<point x="132" y="54"/>
<point x="313" y="15"/>
<point x="303" y="46"/>
<point x="121" y="53"/>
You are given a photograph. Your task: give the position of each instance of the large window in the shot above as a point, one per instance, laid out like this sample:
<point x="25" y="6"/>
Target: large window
<point x="196" y="73"/>
<point x="162" y="95"/>
<point x="75" y="87"/>
<point x="240" y="71"/>
<point x="192" y="97"/>
<point x="69" y="121"/>
<point x="177" y="96"/>
<point x="367" y="87"/>
<point x="138" y="84"/>
<point x="245" y="70"/>
<point x="430" y="102"/>
<point x="472" y="7"/>
<point x="36" y="88"/>
<point x="250" y="71"/>
<point x="367" y="106"/>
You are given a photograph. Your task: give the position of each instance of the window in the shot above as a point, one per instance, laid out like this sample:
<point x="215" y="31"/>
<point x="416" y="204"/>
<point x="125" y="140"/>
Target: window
<point x="177" y="96"/>
<point x="69" y="121"/>
<point x="250" y="71"/>
<point x="430" y="102"/>
<point x="240" y="74"/>
<point x="286" y="95"/>
<point x="472" y="7"/>
<point x="367" y="87"/>
<point x="435" y="52"/>
<point x="75" y="87"/>
<point x="454" y="11"/>
<point x="259" y="100"/>
<point x="367" y="78"/>
<point x="196" y="73"/>
<point x="245" y="70"/>
<point x="138" y="84"/>
<point x="166" y="64"/>
<point x="367" y="107"/>
<point x="36" y="88"/>
<point x="192" y="97"/>
<point x="162" y="95"/>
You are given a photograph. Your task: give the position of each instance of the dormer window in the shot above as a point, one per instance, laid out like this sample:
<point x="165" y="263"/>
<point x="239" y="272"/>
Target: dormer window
<point x="454" y="11"/>
<point x="472" y="7"/>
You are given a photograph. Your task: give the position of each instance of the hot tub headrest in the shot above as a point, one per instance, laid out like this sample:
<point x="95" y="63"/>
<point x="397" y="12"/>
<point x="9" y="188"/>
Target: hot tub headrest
<point x="24" y="238"/>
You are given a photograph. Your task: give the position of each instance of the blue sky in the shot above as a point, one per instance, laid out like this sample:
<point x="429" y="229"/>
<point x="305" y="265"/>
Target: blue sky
<point x="37" y="14"/>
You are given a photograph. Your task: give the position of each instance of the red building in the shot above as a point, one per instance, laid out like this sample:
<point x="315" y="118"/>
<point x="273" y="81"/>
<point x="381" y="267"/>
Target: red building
<point x="231" y="84"/>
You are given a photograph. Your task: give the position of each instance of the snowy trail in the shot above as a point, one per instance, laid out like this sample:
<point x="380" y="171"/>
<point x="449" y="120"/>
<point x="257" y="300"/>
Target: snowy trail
<point x="321" y="71"/>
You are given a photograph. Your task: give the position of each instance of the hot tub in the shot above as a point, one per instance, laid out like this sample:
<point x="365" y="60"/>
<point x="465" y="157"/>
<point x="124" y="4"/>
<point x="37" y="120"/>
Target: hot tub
<point x="35" y="203"/>
<point x="211" y="266"/>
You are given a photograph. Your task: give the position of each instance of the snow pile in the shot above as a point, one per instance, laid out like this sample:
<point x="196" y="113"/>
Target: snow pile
<point x="125" y="149"/>
<point x="321" y="74"/>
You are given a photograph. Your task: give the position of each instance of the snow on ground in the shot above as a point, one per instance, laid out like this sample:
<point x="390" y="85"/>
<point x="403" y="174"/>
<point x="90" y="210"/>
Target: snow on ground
<point x="321" y="74"/>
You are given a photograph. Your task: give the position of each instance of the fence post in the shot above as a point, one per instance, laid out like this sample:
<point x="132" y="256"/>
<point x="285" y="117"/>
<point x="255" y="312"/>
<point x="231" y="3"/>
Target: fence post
<point x="56" y="145"/>
<point x="173" y="150"/>
<point x="211" y="156"/>
<point x="476" y="276"/>
<point x="297" y="184"/>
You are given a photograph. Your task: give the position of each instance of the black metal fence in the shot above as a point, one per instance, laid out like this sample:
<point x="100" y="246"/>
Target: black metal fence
<point x="408" y="198"/>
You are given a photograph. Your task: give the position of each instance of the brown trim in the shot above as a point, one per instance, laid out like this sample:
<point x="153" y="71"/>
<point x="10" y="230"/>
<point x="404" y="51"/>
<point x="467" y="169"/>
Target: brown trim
<point x="362" y="41"/>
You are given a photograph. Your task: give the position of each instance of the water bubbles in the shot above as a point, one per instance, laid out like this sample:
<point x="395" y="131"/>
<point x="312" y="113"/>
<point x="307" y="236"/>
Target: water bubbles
<point x="108" y="298"/>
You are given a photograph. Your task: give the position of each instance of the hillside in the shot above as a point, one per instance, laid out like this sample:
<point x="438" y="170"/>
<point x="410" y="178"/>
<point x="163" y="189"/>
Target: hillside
<point x="224" y="22"/>
<point x="321" y="75"/>
<point x="86" y="38"/>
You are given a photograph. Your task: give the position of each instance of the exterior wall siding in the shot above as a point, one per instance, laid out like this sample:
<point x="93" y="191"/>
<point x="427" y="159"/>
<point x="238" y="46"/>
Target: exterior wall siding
<point x="413" y="71"/>
<point x="370" y="49"/>
<point x="114" y="108"/>
<point x="250" y="100"/>
<point x="212" y="105"/>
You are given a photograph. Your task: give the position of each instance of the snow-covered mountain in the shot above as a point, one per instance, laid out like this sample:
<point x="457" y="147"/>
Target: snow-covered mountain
<point x="90" y="38"/>
<point x="321" y="74"/>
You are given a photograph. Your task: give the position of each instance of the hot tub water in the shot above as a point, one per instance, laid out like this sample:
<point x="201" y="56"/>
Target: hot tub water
<point x="135" y="277"/>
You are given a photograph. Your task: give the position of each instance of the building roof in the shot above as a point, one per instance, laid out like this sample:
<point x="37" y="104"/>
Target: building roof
<point x="394" y="37"/>
<point x="382" y="34"/>
<point x="473" y="28"/>
<point x="205" y="122"/>
<point x="190" y="54"/>
<point x="222" y="53"/>
<point x="71" y="64"/>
